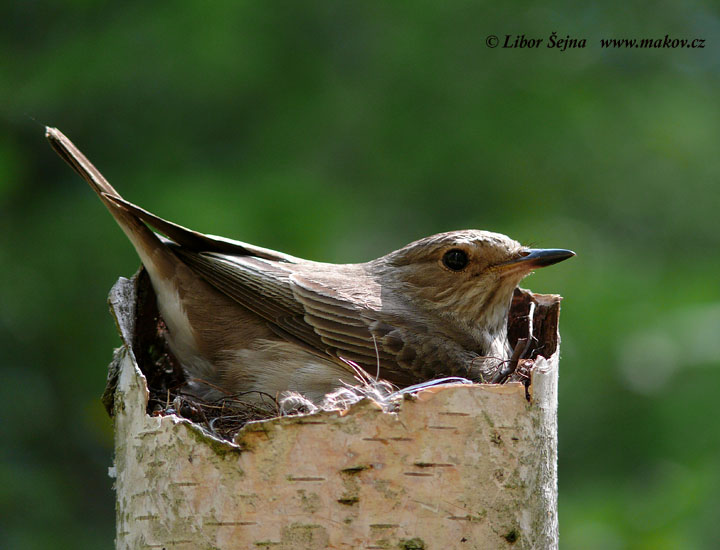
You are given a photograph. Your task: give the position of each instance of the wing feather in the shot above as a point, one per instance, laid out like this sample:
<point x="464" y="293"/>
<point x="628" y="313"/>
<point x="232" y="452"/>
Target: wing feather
<point x="303" y="310"/>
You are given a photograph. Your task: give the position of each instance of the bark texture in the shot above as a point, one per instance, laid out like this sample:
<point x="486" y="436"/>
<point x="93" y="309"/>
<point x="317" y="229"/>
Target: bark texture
<point x="468" y="467"/>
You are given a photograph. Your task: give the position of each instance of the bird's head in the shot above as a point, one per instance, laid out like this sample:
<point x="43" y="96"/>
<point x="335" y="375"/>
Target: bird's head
<point x="468" y="276"/>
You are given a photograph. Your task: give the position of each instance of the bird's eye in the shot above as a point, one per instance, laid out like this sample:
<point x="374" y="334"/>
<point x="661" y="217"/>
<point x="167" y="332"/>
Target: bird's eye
<point x="455" y="259"/>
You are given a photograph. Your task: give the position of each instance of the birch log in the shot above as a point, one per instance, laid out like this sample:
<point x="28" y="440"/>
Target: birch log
<point x="457" y="466"/>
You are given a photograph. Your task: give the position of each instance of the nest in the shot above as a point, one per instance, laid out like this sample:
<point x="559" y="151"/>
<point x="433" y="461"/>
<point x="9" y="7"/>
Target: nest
<point x="532" y="332"/>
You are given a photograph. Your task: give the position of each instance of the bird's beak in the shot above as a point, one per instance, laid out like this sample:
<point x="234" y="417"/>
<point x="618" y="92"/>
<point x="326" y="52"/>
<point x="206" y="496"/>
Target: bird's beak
<point x="539" y="257"/>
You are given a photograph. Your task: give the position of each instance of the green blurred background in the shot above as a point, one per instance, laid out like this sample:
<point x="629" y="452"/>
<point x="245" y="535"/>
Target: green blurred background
<point x="341" y="131"/>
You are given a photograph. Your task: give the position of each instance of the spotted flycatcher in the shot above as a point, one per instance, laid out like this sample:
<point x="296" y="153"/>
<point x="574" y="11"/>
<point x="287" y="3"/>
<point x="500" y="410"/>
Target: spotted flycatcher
<point x="241" y="318"/>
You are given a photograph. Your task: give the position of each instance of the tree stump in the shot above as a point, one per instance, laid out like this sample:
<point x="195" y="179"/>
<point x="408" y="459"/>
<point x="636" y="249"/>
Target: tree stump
<point x="457" y="466"/>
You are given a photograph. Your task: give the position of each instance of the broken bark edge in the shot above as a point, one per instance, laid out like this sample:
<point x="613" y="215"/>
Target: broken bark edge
<point x="457" y="466"/>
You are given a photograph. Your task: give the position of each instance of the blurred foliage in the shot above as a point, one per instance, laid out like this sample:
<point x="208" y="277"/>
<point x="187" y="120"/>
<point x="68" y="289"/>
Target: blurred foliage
<point x="338" y="132"/>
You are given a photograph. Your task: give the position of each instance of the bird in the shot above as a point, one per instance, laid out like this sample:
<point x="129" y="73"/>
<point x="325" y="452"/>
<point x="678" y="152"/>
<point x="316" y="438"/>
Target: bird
<point x="245" y="319"/>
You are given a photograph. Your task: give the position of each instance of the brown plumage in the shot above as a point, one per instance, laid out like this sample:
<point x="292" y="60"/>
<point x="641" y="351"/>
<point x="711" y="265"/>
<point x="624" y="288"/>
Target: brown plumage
<point x="246" y="318"/>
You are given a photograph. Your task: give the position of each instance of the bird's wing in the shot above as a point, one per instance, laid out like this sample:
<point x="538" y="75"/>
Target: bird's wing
<point x="307" y="310"/>
<point x="385" y="336"/>
<point x="347" y="329"/>
<point x="302" y="310"/>
<point x="260" y="285"/>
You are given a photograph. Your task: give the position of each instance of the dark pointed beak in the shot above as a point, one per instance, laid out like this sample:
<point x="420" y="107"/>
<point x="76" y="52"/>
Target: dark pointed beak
<point x="541" y="257"/>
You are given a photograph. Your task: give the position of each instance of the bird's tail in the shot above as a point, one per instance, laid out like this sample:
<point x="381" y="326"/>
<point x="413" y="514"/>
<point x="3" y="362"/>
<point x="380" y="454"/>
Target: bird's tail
<point x="132" y="218"/>
<point x="155" y="255"/>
